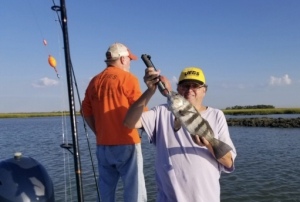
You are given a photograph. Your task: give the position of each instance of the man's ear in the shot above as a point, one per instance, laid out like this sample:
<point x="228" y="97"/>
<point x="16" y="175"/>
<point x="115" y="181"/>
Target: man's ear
<point x="122" y="59"/>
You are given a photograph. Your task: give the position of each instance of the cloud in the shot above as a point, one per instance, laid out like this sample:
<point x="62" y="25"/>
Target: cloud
<point x="285" y="80"/>
<point x="44" y="82"/>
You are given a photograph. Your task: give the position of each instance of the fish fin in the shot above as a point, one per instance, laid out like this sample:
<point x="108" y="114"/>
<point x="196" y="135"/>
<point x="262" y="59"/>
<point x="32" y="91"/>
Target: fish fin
<point x="177" y="125"/>
<point x="220" y="148"/>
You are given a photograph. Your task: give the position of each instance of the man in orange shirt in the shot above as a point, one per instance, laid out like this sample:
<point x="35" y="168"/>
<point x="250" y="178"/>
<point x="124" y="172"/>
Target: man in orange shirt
<point x="107" y="99"/>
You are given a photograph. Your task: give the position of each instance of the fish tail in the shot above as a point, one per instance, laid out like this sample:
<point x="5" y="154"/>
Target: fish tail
<point x="220" y="148"/>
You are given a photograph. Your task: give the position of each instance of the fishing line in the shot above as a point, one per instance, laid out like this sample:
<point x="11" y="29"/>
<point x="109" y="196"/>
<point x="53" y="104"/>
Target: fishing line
<point x="51" y="59"/>
<point x="86" y="133"/>
<point x="68" y="191"/>
<point x="37" y="23"/>
<point x="56" y="9"/>
<point x="65" y="139"/>
<point x="52" y="63"/>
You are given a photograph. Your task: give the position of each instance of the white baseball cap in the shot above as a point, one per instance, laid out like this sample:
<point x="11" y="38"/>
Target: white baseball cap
<point x="118" y="50"/>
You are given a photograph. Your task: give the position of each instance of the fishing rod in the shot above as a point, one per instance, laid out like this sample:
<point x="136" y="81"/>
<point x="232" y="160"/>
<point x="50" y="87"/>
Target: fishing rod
<point x="161" y="86"/>
<point x="76" y="153"/>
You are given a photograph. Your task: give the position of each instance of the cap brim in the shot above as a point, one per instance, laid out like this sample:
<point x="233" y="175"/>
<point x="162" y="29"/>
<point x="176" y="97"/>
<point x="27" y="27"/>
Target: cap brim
<point x="131" y="55"/>
<point x="191" y="80"/>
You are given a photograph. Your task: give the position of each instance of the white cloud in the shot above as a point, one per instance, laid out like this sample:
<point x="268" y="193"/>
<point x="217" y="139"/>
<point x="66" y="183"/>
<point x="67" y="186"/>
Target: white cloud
<point x="285" y="80"/>
<point x="44" y="82"/>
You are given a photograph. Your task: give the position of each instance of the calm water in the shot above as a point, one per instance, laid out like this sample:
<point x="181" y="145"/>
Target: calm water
<point x="267" y="166"/>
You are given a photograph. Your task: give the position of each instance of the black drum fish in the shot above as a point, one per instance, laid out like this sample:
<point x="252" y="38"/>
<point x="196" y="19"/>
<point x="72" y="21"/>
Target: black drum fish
<point x="188" y="117"/>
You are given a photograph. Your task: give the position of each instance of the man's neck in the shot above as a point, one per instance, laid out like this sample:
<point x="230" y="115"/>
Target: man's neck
<point x="201" y="108"/>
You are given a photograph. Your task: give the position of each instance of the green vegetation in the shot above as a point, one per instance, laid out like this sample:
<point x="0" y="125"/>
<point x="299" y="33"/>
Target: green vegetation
<point x="227" y="111"/>
<point x="252" y="107"/>
<point x="261" y="111"/>
<point x="33" y="114"/>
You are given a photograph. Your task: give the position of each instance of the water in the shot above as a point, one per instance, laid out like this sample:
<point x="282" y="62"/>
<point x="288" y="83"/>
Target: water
<point x="267" y="166"/>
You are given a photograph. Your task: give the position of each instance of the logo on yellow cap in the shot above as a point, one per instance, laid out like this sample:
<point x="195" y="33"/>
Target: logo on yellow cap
<point x="195" y="73"/>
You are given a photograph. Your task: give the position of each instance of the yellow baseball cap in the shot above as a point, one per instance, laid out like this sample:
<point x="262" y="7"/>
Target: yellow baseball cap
<point x="192" y="74"/>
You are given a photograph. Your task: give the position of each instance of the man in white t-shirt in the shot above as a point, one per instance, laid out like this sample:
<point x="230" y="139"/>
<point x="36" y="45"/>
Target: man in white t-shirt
<point x="186" y="168"/>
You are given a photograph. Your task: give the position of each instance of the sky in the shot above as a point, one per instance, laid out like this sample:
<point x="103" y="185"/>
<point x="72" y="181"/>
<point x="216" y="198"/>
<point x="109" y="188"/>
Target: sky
<point x="249" y="50"/>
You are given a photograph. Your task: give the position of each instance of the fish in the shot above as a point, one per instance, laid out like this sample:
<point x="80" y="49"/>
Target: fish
<point x="187" y="116"/>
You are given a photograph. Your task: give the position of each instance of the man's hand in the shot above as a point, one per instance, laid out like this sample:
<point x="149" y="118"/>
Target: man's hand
<point x="151" y="78"/>
<point x="201" y="141"/>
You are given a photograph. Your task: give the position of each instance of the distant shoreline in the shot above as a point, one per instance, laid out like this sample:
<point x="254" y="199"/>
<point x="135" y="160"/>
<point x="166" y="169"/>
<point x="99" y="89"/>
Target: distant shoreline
<point x="261" y="111"/>
<point x="236" y="112"/>
<point x="238" y="120"/>
<point x="34" y="114"/>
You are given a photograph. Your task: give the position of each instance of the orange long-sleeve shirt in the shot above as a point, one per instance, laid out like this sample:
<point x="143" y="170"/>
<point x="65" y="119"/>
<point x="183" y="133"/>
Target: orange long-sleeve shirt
<point x="107" y="98"/>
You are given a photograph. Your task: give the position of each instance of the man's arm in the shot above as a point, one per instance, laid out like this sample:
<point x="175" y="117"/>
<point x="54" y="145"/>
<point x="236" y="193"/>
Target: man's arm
<point x="226" y="160"/>
<point x="91" y="122"/>
<point x="134" y="113"/>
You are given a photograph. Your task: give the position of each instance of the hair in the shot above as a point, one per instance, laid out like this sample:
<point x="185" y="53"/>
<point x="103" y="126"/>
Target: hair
<point x="111" y="61"/>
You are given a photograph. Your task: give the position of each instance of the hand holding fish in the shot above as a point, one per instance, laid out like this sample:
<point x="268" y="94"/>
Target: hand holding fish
<point x="226" y="160"/>
<point x="201" y="141"/>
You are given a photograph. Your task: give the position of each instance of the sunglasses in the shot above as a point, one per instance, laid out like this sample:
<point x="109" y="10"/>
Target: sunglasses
<point x="193" y="86"/>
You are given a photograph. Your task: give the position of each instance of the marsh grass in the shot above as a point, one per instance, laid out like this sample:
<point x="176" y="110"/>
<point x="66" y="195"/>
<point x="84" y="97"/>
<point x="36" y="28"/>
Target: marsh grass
<point x="261" y="111"/>
<point x="226" y="111"/>
<point x="33" y="114"/>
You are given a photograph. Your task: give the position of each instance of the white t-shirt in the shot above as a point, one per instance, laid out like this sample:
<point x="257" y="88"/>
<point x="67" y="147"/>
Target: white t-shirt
<point x="185" y="171"/>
